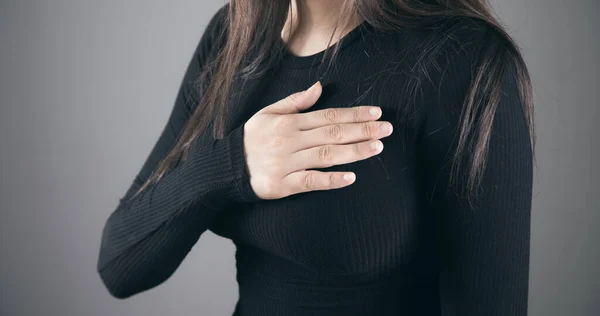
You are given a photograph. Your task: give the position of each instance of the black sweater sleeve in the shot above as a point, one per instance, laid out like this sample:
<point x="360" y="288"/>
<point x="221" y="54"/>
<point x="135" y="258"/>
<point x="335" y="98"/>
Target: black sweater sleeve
<point x="484" y="248"/>
<point x="146" y="237"/>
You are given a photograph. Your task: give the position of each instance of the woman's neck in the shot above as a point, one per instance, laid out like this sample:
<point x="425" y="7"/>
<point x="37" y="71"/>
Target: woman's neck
<point x="311" y="23"/>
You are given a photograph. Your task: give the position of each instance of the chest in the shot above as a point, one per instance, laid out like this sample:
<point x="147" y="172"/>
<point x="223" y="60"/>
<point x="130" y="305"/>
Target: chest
<point x="373" y="223"/>
<point x="370" y="224"/>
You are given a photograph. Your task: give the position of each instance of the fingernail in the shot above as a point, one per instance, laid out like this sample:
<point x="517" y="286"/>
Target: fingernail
<point x="375" y="146"/>
<point x="385" y="127"/>
<point x="349" y="177"/>
<point x="313" y="86"/>
<point x="374" y="111"/>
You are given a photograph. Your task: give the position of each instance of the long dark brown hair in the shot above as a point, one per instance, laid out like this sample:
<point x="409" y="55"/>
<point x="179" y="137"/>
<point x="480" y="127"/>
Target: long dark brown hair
<point x="253" y="28"/>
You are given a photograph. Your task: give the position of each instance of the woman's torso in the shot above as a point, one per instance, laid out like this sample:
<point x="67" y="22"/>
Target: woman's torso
<point x="366" y="249"/>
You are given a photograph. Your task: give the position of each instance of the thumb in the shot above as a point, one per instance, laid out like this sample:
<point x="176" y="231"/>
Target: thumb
<point x="296" y="102"/>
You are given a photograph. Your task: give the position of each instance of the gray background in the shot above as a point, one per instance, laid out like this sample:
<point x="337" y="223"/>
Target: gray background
<point x="87" y="86"/>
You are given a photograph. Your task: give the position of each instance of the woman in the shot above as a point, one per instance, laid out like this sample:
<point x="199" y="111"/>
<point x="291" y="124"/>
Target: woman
<point x="436" y="224"/>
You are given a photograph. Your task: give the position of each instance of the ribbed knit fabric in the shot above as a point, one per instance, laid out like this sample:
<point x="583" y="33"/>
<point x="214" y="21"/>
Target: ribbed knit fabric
<point x="398" y="241"/>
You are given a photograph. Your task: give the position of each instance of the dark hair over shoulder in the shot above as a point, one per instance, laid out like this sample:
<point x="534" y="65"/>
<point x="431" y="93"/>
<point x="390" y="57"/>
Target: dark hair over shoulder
<point x="250" y="26"/>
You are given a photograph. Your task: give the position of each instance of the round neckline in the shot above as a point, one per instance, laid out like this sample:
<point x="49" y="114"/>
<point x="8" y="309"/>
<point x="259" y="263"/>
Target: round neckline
<point x="296" y="62"/>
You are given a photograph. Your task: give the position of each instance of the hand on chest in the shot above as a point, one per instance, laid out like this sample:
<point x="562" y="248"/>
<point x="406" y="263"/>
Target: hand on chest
<point x="366" y="225"/>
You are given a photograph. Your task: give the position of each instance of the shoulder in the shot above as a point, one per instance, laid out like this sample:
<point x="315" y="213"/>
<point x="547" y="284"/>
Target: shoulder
<point x="436" y="53"/>
<point x="218" y="21"/>
<point x="478" y="96"/>
<point x="214" y="34"/>
<point x="473" y="52"/>
<point x="452" y="53"/>
<point x="456" y="60"/>
<point x="461" y="38"/>
<point x="467" y="43"/>
<point x="442" y="57"/>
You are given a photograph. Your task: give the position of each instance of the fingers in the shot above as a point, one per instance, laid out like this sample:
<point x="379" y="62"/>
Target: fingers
<point x="319" y="118"/>
<point x="329" y="155"/>
<point x="317" y="139"/>
<point x="311" y="180"/>
<point x="296" y="102"/>
<point x="344" y="133"/>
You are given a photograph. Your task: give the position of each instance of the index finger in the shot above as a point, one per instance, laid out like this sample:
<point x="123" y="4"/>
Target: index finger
<point x="320" y="118"/>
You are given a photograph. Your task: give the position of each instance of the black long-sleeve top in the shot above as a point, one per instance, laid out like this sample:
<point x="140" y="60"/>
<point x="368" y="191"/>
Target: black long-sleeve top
<point x="398" y="241"/>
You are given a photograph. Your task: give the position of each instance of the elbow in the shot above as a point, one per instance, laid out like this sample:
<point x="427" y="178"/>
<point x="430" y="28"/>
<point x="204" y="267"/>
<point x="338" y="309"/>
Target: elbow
<point x="117" y="284"/>
<point x="116" y="274"/>
<point x="123" y="282"/>
<point x="116" y="288"/>
<point x="119" y="293"/>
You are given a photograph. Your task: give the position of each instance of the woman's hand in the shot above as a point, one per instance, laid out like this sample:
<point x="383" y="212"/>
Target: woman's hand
<point x="280" y="144"/>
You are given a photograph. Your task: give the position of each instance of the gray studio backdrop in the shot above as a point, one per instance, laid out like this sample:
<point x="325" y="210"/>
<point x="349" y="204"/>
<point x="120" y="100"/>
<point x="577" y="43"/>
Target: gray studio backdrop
<point x="87" y="86"/>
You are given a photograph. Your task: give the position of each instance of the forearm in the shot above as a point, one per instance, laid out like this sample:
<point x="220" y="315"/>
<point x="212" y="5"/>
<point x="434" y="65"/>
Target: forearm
<point x="156" y="257"/>
<point x="148" y="233"/>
